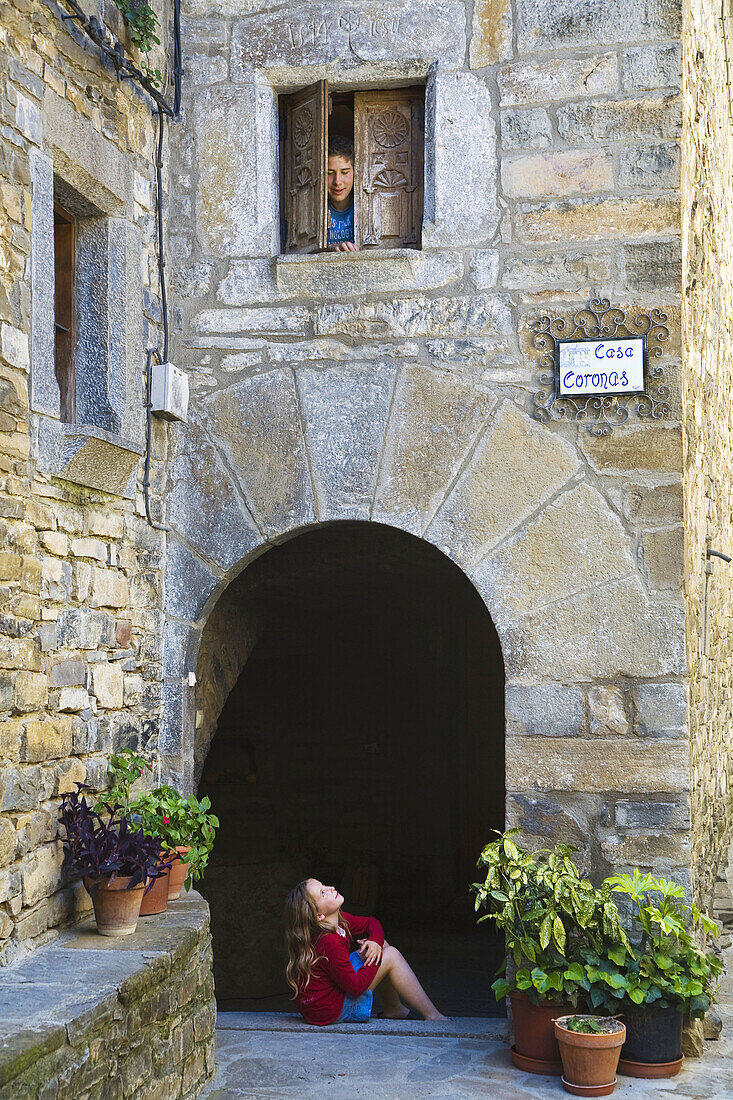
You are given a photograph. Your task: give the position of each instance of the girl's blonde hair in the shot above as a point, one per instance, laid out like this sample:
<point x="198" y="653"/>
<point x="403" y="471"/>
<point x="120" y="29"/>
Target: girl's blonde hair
<point x="302" y="929"/>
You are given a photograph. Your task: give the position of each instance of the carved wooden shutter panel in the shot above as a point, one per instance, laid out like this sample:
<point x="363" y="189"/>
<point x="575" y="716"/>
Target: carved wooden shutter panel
<point x="388" y="194"/>
<point x="303" y="174"/>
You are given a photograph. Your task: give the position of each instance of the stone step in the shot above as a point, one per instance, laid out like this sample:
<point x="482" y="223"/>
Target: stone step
<point x="467" y="1027"/>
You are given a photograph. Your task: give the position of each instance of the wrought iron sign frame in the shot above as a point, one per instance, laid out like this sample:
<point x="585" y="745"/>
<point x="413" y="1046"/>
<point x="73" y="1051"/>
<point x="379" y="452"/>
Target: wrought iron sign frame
<point x="601" y="413"/>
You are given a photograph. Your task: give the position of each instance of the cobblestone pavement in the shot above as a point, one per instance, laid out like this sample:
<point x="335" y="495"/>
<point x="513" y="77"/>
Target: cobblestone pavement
<point x="269" y="1056"/>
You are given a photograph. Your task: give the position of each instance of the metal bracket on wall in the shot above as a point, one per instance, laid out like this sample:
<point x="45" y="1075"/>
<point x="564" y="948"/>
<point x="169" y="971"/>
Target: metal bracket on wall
<point x="599" y="320"/>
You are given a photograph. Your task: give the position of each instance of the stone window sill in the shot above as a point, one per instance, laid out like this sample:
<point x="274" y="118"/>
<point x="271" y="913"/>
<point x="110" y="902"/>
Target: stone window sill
<point x="314" y="273"/>
<point x="88" y="456"/>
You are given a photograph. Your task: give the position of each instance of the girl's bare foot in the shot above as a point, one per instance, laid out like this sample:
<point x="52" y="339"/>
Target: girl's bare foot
<point x="437" y="1016"/>
<point x="400" y="1013"/>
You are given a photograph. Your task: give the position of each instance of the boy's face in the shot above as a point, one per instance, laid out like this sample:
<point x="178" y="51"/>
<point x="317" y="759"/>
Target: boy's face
<point x="340" y="182"/>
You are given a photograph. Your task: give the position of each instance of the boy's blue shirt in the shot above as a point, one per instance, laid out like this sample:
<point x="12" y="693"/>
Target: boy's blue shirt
<point x="340" y="224"/>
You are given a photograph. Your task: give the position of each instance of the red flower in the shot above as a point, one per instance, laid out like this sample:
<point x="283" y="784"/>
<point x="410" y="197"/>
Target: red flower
<point x="142" y="771"/>
<point x="166" y="820"/>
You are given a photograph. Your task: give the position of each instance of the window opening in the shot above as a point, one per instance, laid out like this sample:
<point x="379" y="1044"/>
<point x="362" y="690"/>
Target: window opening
<point x="386" y="130"/>
<point x="64" y="239"/>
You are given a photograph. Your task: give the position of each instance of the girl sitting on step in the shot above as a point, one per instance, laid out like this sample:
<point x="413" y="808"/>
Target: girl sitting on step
<point x="332" y="979"/>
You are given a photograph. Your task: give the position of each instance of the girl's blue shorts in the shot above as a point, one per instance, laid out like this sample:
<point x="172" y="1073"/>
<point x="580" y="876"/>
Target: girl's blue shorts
<point x="356" y="1010"/>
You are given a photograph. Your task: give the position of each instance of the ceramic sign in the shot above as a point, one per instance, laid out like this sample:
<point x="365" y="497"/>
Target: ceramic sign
<point x="600" y="367"/>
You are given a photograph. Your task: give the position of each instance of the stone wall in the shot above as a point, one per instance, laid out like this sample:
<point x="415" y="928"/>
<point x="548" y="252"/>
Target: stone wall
<point x="125" y="1019"/>
<point x="708" y="420"/>
<point x="80" y="570"/>
<point x="399" y="387"/>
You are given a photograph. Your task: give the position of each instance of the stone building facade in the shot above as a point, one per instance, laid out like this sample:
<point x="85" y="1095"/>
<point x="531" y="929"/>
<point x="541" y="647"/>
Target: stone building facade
<point x="81" y="570"/>
<point x="394" y="387"/>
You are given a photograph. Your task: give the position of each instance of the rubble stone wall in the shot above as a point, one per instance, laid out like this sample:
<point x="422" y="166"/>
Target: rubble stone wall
<point x="398" y="387"/>
<point x="121" y="1019"/>
<point x="708" y="420"/>
<point x="80" y="570"/>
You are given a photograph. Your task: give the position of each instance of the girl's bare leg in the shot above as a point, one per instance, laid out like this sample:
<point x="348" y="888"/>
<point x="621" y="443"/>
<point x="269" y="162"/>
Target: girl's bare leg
<point x="405" y="983"/>
<point x="392" y="1006"/>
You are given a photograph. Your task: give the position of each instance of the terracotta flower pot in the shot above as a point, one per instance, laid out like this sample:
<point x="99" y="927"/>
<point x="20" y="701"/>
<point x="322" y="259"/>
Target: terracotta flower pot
<point x="535" y="1047"/>
<point x="116" y="908"/>
<point x="178" y="873"/>
<point x="589" y="1061"/>
<point x="155" y="898"/>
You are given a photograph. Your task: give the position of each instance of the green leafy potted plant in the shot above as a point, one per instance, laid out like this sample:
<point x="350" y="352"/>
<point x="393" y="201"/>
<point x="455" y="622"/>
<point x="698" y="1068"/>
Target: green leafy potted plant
<point x="186" y="828"/>
<point x="589" y="1047"/>
<point x="127" y="768"/>
<point x="668" y="976"/>
<point x="114" y="858"/>
<point x="559" y="930"/>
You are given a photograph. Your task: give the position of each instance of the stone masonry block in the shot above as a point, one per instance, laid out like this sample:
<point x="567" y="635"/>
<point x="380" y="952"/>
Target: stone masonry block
<point x="30" y="691"/>
<point x="108" y="685"/>
<point x="68" y="673"/>
<point x="48" y="739"/>
<point x="577" y="528"/>
<point x="603" y="765"/>
<point x="654" y="266"/>
<point x="525" y="128"/>
<point x="435" y="417"/>
<point x="41" y="872"/>
<point x="653" y="66"/>
<point x="540" y="81"/>
<point x="345" y="413"/>
<point x="603" y="633"/>
<point x="657" y="450"/>
<point x="662" y="558"/>
<point x="20" y="788"/>
<point x="486" y="503"/>
<point x="109" y="589"/>
<point x="627" y="118"/>
<point x="565" y="172"/>
<point x="547" y="710"/>
<point x="257" y="427"/>
<point x="14" y="347"/>
<point x="659" y="816"/>
<point x="597" y="219"/>
<point x="491" y="32"/>
<point x="571" y="24"/>
<point x="661" y="709"/>
<point x="607" y="711"/>
<point x="650" y="166"/>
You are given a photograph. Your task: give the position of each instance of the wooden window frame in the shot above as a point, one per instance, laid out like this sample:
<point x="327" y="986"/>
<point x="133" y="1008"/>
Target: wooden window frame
<point x="64" y="237"/>
<point x="388" y="168"/>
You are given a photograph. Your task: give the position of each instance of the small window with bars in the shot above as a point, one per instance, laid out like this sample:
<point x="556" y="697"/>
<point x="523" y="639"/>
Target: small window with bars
<point x="381" y="133"/>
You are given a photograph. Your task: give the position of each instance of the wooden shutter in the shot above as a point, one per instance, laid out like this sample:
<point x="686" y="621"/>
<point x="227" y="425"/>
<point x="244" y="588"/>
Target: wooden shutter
<point x="64" y="263"/>
<point x="388" y="194"/>
<point x="304" y="156"/>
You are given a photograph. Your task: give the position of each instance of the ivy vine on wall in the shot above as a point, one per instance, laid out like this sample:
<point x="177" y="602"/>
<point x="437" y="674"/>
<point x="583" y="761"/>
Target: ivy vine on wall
<point x="143" y="24"/>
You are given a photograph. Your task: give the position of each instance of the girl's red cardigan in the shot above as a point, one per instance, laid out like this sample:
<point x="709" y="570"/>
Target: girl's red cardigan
<point x="333" y="977"/>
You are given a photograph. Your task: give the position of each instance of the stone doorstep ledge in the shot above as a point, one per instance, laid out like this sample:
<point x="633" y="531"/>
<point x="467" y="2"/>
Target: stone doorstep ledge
<point x="83" y="985"/>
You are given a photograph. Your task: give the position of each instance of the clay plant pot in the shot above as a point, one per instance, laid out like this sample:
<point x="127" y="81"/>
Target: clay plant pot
<point x="178" y="873"/>
<point x="116" y="908"/>
<point x="589" y="1062"/>
<point x="535" y="1047"/>
<point x="155" y="898"/>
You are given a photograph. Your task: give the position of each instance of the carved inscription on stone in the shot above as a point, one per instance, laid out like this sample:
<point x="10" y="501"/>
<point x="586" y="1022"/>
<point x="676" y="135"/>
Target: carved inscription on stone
<point x="356" y="32"/>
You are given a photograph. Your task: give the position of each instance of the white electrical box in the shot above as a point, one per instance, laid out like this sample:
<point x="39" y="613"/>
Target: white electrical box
<point x="168" y="391"/>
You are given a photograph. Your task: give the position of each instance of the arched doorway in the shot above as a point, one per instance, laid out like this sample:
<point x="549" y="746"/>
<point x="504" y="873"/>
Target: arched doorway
<point x="362" y="742"/>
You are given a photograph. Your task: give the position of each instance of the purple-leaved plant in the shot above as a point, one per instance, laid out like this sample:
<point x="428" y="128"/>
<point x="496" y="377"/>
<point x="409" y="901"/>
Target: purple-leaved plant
<point x="101" y="847"/>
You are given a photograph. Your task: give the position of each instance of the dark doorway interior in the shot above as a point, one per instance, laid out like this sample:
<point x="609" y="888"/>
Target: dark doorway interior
<point x="364" y="744"/>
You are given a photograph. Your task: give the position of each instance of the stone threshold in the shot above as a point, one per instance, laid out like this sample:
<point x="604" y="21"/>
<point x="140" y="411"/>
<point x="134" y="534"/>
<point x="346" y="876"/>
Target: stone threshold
<point x="482" y="1027"/>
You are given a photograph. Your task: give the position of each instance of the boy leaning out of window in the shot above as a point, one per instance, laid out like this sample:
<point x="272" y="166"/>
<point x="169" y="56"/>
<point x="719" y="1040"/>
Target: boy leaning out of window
<point x="340" y="185"/>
